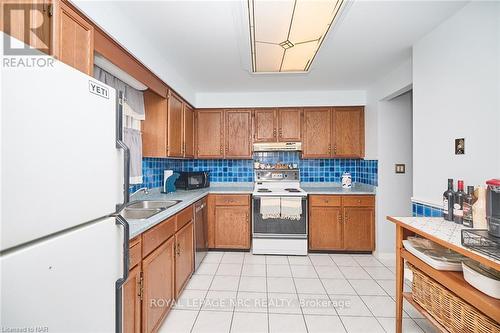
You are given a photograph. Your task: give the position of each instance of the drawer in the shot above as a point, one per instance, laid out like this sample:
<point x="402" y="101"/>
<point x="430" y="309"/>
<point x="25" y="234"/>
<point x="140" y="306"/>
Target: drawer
<point x="325" y="200"/>
<point x="358" y="200"/>
<point x="184" y="217"/>
<point x="135" y="252"/>
<point x="153" y="238"/>
<point x="232" y="200"/>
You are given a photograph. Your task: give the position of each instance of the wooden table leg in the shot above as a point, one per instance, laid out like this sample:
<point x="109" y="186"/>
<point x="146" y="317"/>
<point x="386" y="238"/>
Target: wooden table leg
<point x="399" y="279"/>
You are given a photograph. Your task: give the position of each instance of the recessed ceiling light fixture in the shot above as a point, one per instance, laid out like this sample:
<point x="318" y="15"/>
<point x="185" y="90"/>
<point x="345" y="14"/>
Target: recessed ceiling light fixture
<point x="285" y="35"/>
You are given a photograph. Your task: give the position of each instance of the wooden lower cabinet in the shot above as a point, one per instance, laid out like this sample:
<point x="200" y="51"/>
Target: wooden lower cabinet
<point x="132" y="301"/>
<point x="343" y="223"/>
<point x="158" y="282"/>
<point x="184" y="257"/>
<point x="325" y="228"/>
<point x="229" y="222"/>
<point x="359" y="228"/>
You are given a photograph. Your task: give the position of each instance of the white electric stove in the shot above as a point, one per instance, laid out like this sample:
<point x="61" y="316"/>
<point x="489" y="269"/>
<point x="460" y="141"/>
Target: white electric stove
<point x="279" y="236"/>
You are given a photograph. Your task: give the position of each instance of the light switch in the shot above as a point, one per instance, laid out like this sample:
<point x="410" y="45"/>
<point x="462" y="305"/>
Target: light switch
<point x="400" y="168"/>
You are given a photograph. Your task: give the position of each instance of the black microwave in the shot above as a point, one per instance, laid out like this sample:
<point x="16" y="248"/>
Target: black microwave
<point x="191" y="180"/>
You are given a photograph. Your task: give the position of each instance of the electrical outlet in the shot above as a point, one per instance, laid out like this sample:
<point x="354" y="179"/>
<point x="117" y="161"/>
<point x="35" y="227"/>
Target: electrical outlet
<point x="460" y="146"/>
<point x="400" y="168"/>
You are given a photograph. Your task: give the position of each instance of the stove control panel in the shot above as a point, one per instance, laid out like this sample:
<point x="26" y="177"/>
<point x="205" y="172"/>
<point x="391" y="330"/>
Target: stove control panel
<point x="277" y="175"/>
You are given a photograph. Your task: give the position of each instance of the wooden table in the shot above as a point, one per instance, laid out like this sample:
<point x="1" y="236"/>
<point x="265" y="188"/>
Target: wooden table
<point x="447" y="234"/>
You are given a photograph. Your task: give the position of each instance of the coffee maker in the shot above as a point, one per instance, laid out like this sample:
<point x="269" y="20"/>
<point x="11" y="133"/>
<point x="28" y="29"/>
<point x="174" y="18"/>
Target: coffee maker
<point x="493" y="207"/>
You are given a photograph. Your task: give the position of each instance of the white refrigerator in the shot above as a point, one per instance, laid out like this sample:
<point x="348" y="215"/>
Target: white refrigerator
<point x="63" y="249"/>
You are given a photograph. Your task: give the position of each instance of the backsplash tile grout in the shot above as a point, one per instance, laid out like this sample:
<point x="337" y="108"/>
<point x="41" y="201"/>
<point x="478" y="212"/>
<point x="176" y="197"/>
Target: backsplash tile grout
<point x="320" y="170"/>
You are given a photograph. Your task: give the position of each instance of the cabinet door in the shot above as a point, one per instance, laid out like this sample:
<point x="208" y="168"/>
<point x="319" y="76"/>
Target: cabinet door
<point x="132" y="301"/>
<point x="317" y="133"/>
<point x="154" y="127"/>
<point x="238" y="134"/>
<point x="184" y="257"/>
<point x="75" y="39"/>
<point x="265" y="125"/>
<point x="325" y="228"/>
<point x="232" y="227"/>
<point x="175" y="127"/>
<point x="359" y="224"/>
<point x="348" y="132"/>
<point x="289" y="125"/>
<point x="188" y="131"/>
<point x="20" y="19"/>
<point x="209" y="134"/>
<point x="158" y="281"/>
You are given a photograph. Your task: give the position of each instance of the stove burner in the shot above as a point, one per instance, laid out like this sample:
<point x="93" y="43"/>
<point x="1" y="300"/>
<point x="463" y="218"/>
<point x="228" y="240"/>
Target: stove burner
<point x="294" y="190"/>
<point x="264" y="190"/>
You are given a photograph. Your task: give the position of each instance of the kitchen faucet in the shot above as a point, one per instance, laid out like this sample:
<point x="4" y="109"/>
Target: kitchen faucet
<point x="143" y="189"/>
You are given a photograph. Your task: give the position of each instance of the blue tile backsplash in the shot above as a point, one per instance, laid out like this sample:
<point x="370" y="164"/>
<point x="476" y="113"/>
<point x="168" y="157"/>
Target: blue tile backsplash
<point x="322" y="170"/>
<point x="423" y="210"/>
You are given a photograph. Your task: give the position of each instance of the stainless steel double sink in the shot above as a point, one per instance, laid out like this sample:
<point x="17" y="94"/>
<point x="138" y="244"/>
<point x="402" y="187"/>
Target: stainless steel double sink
<point x="144" y="209"/>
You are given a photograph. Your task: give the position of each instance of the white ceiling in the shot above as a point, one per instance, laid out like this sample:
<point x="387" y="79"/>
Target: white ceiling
<point x="205" y="44"/>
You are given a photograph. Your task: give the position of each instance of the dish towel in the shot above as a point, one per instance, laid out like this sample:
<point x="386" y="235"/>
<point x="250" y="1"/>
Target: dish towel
<point x="291" y="208"/>
<point x="270" y="208"/>
<point x="133" y="139"/>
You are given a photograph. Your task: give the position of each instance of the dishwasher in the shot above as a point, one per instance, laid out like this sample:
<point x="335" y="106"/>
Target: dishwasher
<point x="200" y="232"/>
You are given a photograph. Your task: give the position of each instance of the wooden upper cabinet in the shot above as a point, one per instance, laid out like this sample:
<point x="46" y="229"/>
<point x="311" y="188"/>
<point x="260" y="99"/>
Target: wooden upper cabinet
<point x="74" y="42"/>
<point x="175" y="126"/>
<point x="289" y="125"/>
<point x="132" y="302"/>
<point x="348" y="132"/>
<point x="317" y="133"/>
<point x="158" y="277"/>
<point x="238" y="134"/>
<point x="209" y="132"/>
<point x="188" y="131"/>
<point x="19" y="18"/>
<point x="265" y="125"/>
<point x="184" y="257"/>
<point x="154" y="128"/>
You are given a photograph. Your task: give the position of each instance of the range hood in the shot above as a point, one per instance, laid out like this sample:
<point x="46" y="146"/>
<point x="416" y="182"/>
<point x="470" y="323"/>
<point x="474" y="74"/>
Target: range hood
<point x="277" y="146"/>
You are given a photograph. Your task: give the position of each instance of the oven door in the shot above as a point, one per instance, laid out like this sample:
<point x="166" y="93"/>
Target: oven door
<point x="278" y="228"/>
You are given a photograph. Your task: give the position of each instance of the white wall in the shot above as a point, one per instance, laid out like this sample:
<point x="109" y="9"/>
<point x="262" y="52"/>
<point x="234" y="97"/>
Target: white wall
<point x="392" y="84"/>
<point x="456" y="94"/>
<point x="107" y="15"/>
<point x="281" y="98"/>
<point x="394" y="146"/>
<point x="388" y="139"/>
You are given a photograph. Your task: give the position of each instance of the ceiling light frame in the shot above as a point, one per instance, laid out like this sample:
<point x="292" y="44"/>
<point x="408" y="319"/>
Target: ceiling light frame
<point x="288" y="44"/>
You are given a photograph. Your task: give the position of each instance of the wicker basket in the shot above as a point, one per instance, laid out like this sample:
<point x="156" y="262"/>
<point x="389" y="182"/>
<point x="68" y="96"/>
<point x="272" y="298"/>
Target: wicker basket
<point x="452" y="312"/>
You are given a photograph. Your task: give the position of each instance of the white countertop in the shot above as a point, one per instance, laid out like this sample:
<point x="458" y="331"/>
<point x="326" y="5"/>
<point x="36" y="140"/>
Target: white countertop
<point x="190" y="197"/>
<point x="441" y="229"/>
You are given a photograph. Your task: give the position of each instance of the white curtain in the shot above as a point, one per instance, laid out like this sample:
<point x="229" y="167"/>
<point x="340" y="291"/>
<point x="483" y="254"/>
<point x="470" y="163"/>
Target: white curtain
<point x="133" y="113"/>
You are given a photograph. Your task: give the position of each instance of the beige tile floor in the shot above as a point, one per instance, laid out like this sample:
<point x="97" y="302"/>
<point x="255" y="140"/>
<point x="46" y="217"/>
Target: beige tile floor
<point x="239" y="292"/>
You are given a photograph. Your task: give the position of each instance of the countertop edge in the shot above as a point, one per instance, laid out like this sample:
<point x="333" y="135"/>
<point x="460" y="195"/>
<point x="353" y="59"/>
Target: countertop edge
<point x="138" y="227"/>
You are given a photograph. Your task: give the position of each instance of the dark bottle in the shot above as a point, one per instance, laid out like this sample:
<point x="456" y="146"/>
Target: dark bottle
<point x="458" y="205"/>
<point x="448" y="200"/>
<point x="468" y="202"/>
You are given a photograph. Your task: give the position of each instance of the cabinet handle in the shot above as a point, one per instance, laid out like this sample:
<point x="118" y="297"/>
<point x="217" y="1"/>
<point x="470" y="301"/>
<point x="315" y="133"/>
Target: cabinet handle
<point x="178" y="249"/>
<point x="339" y="218"/>
<point x="274" y="132"/>
<point x="329" y="148"/>
<point x="335" y="149"/>
<point x="281" y="133"/>
<point x="345" y="218"/>
<point x="221" y="150"/>
<point x="246" y="215"/>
